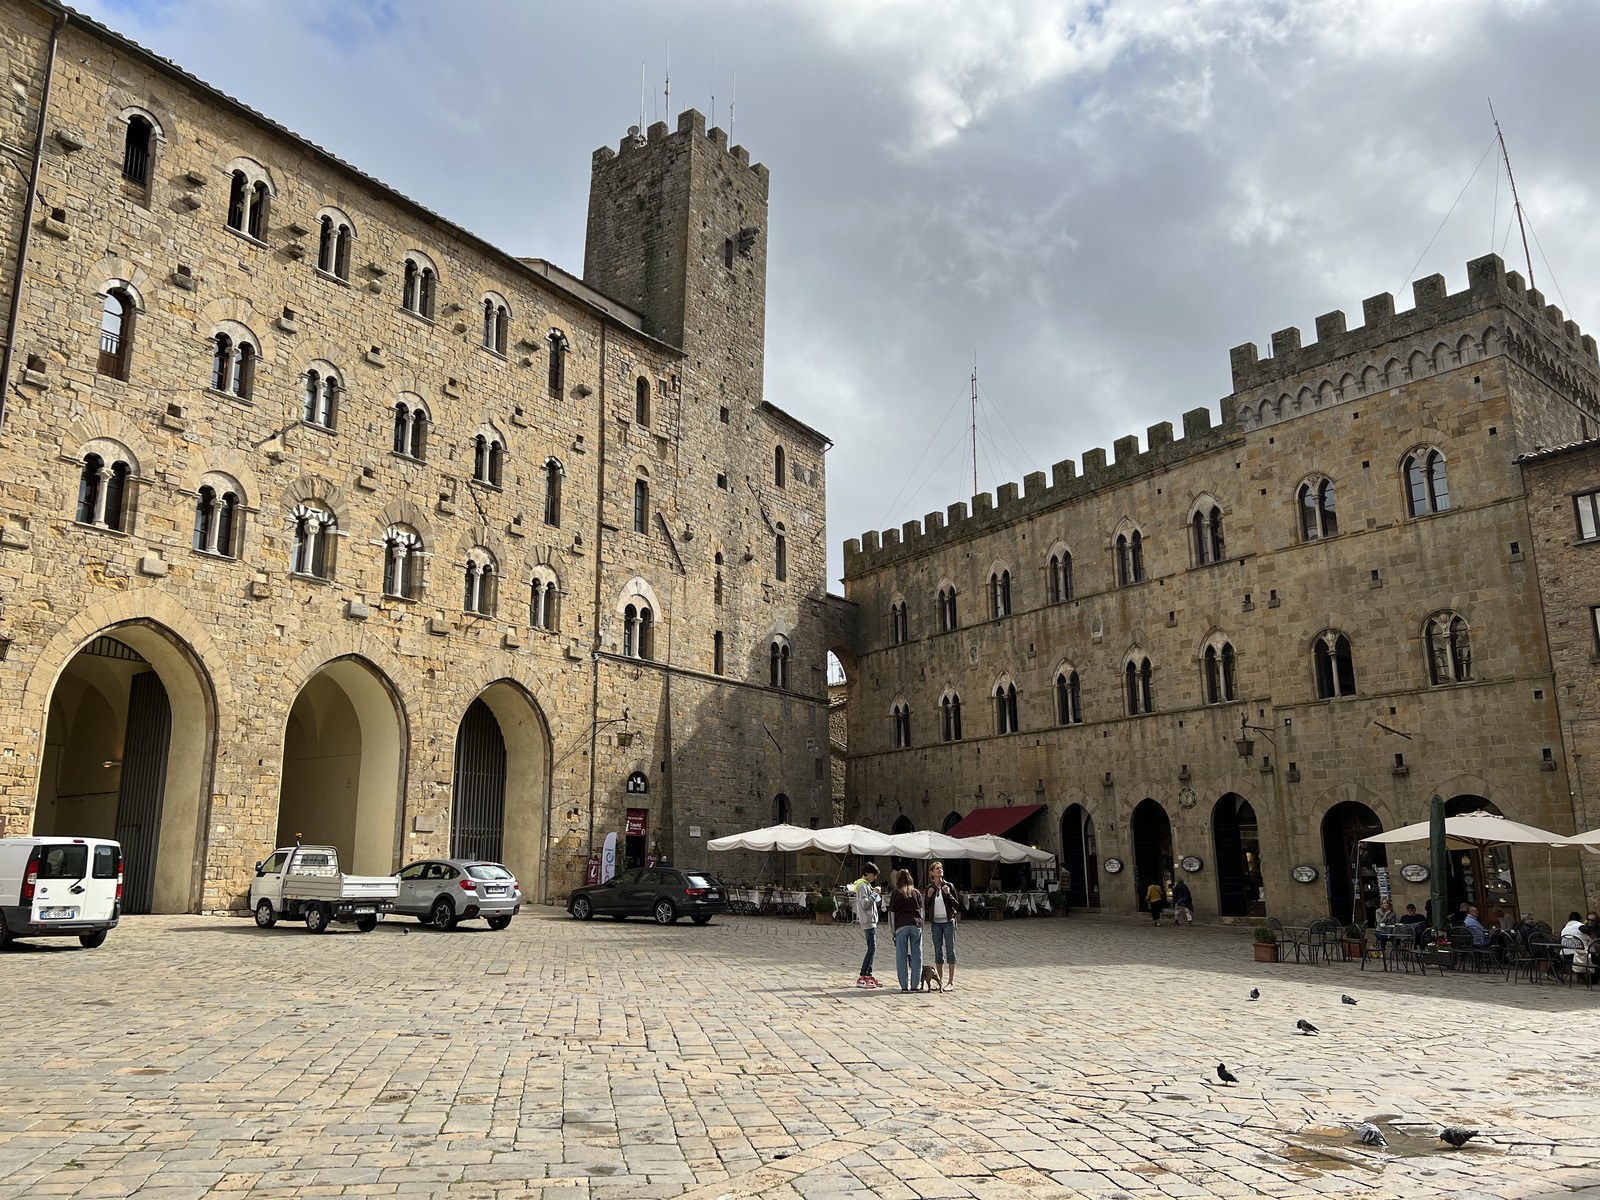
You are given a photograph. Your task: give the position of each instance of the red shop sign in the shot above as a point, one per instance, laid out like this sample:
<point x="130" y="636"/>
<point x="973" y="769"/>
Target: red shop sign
<point x="638" y="819"/>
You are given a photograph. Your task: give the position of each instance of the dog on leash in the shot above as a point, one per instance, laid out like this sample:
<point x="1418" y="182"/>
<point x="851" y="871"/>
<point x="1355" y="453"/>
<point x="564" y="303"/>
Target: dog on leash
<point x="930" y="980"/>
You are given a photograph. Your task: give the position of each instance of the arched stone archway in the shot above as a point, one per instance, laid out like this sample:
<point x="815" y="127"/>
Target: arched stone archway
<point x="1152" y="849"/>
<point x="130" y="733"/>
<point x="1080" y="856"/>
<point x="1236" y="848"/>
<point x="501" y="783"/>
<point x="1351" y="864"/>
<point x="1481" y="877"/>
<point x="344" y="766"/>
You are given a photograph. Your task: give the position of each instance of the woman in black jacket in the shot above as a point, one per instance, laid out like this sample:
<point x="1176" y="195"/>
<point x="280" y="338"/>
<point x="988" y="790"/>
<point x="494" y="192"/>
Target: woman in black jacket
<point x="905" y="906"/>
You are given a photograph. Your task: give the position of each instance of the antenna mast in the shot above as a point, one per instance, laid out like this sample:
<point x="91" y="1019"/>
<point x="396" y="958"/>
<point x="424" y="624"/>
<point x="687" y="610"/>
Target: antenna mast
<point x="668" y="102"/>
<point x="733" y="104"/>
<point x="1515" y="200"/>
<point x="974" y="422"/>
<point x="641" y="96"/>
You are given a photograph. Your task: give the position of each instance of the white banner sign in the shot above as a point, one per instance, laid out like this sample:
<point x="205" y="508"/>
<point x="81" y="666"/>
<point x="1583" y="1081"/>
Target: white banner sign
<point x="608" y="859"/>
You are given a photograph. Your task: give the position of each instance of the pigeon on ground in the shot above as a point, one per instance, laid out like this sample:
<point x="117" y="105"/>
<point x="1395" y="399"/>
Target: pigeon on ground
<point x="1226" y="1075"/>
<point x="1372" y="1135"/>
<point x="1346" y="1000"/>
<point x="1457" y="1135"/>
<point x="1255" y="993"/>
<point x="1305" y="1026"/>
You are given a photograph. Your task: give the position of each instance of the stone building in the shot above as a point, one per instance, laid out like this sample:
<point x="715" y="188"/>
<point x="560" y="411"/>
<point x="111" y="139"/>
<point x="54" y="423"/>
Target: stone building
<point x="324" y="517"/>
<point x="1231" y="655"/>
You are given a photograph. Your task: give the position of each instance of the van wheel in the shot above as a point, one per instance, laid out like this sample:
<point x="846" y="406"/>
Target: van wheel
<point x="316" y="919"/>
<point x="92" y="941"/>
<point x="367" y="924"/>
<point x="499" y="922"/>
<point x="266" y="918"/>
<point x="665" y="913"/>
<point x="6" y="936"/>
<point x="444" y="913"/>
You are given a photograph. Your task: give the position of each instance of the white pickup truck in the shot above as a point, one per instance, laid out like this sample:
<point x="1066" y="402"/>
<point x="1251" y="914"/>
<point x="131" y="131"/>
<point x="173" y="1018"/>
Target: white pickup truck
<point x="304" y="882"/>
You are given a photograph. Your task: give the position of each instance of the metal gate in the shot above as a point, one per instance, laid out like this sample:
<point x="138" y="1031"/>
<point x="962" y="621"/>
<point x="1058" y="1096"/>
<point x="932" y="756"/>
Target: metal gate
<point x="144" y="783"/>
<point x="478" y="804"/>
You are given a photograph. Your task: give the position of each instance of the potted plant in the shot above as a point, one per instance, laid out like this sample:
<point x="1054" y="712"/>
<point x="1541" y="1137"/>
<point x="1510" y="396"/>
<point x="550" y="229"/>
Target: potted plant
<point x="1355" y="941"/>
<point x="1058" y="903"/>
<point x="1266" y="943"/>
<point x="997" y="907"/>
<point x="824" y="906"/>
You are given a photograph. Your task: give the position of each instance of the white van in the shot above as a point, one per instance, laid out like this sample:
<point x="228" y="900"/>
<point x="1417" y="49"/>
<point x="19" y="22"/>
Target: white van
<point x="59" y="887"/>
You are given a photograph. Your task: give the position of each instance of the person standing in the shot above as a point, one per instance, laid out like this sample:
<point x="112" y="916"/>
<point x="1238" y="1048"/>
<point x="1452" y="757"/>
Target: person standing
<point x="864" y="895"/>
<point x="1182" y="904"/>
<point x="905" y="905"/>
<point x="1156" y="897"/>
<point x="941" y="910"/>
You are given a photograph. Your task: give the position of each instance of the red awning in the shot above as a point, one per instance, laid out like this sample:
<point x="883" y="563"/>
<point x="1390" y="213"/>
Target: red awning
<point x="998" y="821"/>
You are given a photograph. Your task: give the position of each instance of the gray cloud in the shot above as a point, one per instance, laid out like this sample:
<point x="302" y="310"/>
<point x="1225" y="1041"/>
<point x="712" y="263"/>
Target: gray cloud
<point x="1098" y="198"/>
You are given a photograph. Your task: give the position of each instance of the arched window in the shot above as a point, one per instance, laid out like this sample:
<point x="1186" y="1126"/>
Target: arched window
<point x="342" y="244"/>
<point x="900" y="714"/>
<point x="546" y="603"/>
<point x="488" y="459"/>
<point x="1060" y="571"/>
<point x="1219" y="674"/>
<point x="947" y="609"/>
<point x="479" y="592"/>
<point x="1335" y="666"/>
<point x="1069" y="699"/>
<point x="1319" y="517"/>
<point x="779" y="656"/>
<point x="410" y="427"/>
<point x="315" y="539"/>
<point x="103" y="493"/>
<point x="136" y="151"/>
<point x="637" y="631"/>
<point x="233" y="366"/>
<point x="780" y="558"/>
<point x="641" y="506"/>
<point x="1005" y="708"/>
<point x="116" y="334"/>
<point x="719" y="662"/>
<point x="1207" y="536"/>
<point x="899" y="627"/>
<point x="1000" y="594"/>
<point x="502" y="328"/>
<point x="256" y="222"/>
<point x="950" y="717"/>
<point x="221" y="362"/>
<point x="1130" y="558"/>
<point x="402" y="562"/>
<point x="552" y="493"/>
<point x="408" y="286"/>
<point x="427" y="292"/>
<point x="1137" y="677"/>
<point x="334" y="244"/>
<point x="215" y="510"/>
<point x="244" y="370"/>
<point x="238" y="200"/>
<point x="402" y="428"/>
<point x="558" y="363"/>
<point x="496" y="324"/>
<point x="1427" y="490"/>
<point x="641" y="401"/>
<point x="778" y="473"/>
<point x="321" y="398"/>
<point x="716" y="586"/>
<point x="1449" y="649"/>
<point x="325" y="244"/>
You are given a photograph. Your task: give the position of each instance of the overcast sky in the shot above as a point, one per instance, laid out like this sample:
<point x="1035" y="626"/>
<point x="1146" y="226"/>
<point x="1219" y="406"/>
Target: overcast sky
<point x="1097" y="198"/>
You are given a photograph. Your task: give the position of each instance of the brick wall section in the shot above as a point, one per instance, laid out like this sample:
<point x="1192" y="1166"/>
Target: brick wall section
<point x="716" y="751"/>
<point x="1481" y="375"/>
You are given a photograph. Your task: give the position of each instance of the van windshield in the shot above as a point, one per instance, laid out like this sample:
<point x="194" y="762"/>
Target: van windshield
<point x="63" y="862"/>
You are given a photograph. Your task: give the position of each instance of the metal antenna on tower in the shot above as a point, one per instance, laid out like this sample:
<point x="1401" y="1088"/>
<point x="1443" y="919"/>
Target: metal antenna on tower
<point x="713" y="91"/>
<point x="1515" y="200"/>
<point x="732" y="105"/>
<point x="641" y="95"/>
<point x="668" y="102"/>
<point x="974" y="422"/>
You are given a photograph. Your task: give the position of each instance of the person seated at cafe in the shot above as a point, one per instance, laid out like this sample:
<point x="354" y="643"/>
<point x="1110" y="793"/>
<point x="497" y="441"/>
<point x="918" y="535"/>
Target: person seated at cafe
<point x="1474" y="926"/>
<point x="1526" y="929"/>
<point x="1575" y="941"/>
<point x="1459" y="917"/>
<point x="1385" y="920"/>
<point x="1413" y="918"/>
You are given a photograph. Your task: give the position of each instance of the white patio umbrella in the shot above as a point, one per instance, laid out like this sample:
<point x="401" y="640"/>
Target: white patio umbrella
<point x="1478" y="829"/>
<point x="773" y="837"/>
<point x="926" y="844"/>
<point x="991" y="848"/>
<point x="851" y="839"/>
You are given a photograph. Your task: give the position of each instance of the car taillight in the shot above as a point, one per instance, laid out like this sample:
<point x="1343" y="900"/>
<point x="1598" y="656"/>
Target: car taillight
<point x="30" y="876"/>
<point x="468" y="886"/>
<point x="695" y="891"/>
<point x="119" y="885"/>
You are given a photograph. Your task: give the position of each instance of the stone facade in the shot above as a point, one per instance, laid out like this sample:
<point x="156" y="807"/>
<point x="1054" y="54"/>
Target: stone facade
<point x="1230" y="614"/>
<point x="311" y="700"/>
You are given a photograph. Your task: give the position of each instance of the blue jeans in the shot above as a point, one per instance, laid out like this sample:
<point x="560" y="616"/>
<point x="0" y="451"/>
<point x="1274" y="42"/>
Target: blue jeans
<point x="944" y="942"/>
<point x="872" y="948"/>
<point x="908" y="945"/>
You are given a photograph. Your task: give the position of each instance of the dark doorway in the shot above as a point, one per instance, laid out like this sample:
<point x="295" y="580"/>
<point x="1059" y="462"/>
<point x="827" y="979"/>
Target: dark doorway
<point x="1481" y="877"/>
<point x="780" y="809"/>
<point x="902" y="824"/>
<point x="1240" y="887"/>
<point x="1351" y="867"/>
<point x="1079" y="858"/>
<point x="143" y="785"/>
<point x="478" y="803"/>
<point x="1152" y="849"/>
<point x="958" y="871"/>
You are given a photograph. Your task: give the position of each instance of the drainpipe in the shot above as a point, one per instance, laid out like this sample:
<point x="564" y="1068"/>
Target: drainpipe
<point x="594" y="650"/>
<point x="27" y="222"/>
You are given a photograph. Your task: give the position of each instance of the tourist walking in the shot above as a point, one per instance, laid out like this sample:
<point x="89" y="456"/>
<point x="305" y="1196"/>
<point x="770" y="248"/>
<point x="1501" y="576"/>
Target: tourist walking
<point x="941" y="909"/>
<point x="1182" y="904"/>
<point x="1156" y="897"/>
<point x="905" y="905"/>
<point x="864" y="895"/>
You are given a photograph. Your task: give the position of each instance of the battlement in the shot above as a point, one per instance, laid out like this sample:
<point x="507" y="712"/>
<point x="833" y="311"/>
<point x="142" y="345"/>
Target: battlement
<point x="691" y="126"/>
<point x="873" y="550"/>
<point x="1489" y="285"/>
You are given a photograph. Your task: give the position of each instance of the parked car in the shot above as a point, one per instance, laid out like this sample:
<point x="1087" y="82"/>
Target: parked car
<point x="59" y="887"/>
<point x="304" y="882"/>
<point x="664" y="893"/>
<point x="442" y="891"/>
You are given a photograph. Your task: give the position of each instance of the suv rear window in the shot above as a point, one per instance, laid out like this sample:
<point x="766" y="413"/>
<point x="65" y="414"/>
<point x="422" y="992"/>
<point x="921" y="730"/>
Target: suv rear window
<point x="703" y="881"/>
<point x="63" y="862"/>
<point x="107" y="862"/>
<point x="488" y="871"/>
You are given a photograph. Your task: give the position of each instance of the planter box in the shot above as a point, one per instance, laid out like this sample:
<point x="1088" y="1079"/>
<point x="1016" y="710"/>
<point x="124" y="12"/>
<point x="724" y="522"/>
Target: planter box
<point x="1353" y="949"/>
<point x="824" y="918"/>
<point x="1266" y="951"/>
<point x="997" y="914"/>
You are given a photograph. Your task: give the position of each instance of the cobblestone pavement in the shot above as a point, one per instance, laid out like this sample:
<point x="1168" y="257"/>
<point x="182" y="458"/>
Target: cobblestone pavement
<point x="196" y="1055"/>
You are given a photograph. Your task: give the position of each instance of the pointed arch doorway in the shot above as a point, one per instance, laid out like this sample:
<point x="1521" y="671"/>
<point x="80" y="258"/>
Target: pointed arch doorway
<point x="1350" y="864"/>
<point x="1478" y="876"/>
<point x="1241" y="890"/>
<point x="500" y="783"/>
<point x="1080" y="856"/>
<point x="1152" y="849"/>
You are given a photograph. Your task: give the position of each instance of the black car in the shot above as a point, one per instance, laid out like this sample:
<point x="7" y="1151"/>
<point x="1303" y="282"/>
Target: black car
<point x="664" y="893"/>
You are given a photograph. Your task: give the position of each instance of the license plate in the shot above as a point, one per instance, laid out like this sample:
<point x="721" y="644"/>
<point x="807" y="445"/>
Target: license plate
<point x="365" y="912"/>
<point x="57" y="914"/>
<point x="494" y="891"/>
<point x="713" y="895"/>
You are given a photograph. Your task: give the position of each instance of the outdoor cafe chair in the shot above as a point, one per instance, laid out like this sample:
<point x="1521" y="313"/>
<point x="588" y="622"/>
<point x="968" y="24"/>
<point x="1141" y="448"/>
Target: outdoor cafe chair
<point x="1545" y="960"/>
<point x="1323" y="937"/>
